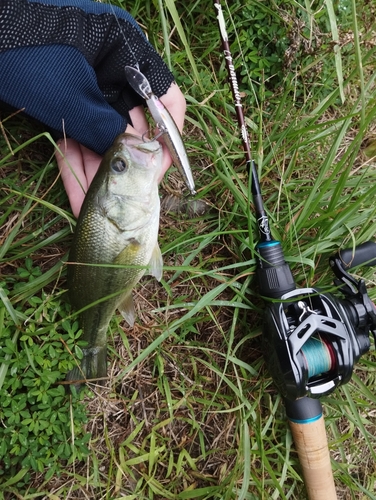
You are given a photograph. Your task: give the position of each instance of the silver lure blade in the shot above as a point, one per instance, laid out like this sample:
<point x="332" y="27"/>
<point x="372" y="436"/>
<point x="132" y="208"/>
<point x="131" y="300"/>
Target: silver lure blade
<point x="138" y="82"/>
<point x="164" y="122"/>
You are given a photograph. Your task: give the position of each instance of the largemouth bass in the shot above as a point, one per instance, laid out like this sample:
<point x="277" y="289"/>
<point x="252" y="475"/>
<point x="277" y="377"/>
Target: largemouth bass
<point x="114" y="245"/>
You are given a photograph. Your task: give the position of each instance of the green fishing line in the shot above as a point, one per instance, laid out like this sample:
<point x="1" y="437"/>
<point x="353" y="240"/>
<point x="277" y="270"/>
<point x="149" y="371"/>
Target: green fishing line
<point x="317" y="357"/>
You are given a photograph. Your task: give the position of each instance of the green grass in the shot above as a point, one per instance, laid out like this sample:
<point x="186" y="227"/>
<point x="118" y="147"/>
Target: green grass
<point x="190" y="410"/>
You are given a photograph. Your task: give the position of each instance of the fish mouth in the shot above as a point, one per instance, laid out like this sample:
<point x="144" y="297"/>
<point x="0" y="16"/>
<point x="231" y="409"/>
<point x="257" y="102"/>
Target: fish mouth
<point x="147" y="146"/>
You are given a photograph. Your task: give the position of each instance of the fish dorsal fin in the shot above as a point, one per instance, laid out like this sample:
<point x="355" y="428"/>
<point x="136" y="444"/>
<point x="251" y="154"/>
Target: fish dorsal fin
<point x="156" y="263"/>
<point x="127" y="310"/>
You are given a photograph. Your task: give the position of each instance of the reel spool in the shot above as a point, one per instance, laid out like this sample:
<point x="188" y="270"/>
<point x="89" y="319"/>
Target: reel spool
<point x="319" y="357"/>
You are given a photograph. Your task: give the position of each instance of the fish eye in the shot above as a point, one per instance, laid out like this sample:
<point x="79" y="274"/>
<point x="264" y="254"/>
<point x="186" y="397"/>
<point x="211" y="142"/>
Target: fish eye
<point x="118" y="165"/>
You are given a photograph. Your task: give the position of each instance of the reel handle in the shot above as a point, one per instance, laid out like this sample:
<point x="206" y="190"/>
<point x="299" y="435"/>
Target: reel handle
<point x="364" y="254"/>
<point x="309" y="434"/>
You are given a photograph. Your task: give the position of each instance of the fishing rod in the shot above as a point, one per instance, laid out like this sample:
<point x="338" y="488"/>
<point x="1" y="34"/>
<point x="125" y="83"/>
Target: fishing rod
<point x="261" y="217"/>
<point x="313" y="339"/>
<point x="279" y="280"/>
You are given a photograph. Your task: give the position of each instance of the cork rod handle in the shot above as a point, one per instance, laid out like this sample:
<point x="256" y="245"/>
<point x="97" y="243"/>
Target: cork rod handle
<point x="312" y="446"/>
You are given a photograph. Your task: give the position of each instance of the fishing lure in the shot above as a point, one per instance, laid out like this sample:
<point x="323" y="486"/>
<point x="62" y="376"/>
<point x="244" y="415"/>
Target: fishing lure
<point x="165" y="124"/>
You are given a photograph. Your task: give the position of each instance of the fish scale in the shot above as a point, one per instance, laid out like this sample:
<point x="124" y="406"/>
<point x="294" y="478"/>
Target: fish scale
<point x="116" y="237"/>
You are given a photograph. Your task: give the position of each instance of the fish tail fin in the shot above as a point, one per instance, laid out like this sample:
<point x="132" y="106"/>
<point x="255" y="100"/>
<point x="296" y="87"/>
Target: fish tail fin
<point x="93" y="367"/>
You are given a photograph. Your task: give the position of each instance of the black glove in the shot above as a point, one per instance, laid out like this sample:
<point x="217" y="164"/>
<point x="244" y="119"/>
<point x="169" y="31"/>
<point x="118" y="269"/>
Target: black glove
<point x="63" y="61"/>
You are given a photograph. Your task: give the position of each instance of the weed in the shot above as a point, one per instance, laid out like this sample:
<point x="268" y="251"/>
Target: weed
<point x="42" y="428"/>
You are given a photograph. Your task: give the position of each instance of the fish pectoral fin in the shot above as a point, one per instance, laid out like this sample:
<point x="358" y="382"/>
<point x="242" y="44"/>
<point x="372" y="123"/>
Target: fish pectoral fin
<point x="130" y="252"/>
<point x="156" y="263"/>
<point x="127" y="310"/>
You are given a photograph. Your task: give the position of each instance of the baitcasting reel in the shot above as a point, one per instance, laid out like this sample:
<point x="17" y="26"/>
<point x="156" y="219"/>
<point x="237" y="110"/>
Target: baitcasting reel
<point x="313" y="339"/>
